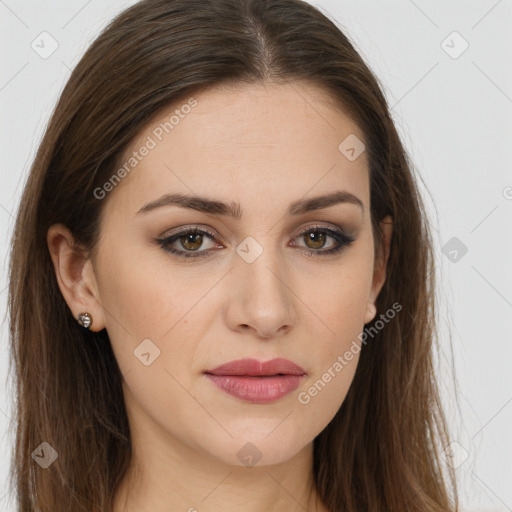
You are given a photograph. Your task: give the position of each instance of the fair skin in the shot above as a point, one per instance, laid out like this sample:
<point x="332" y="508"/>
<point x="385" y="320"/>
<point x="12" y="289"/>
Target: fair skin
<point x="264" y="147"/>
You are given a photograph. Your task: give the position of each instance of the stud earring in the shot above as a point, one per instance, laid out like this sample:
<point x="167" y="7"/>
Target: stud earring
<point x="85" y="320"/>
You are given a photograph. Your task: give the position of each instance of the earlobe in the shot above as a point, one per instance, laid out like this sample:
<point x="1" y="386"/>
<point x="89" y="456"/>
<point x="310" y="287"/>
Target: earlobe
<point x="74" y="277"/>
<point x="371" y="311"/>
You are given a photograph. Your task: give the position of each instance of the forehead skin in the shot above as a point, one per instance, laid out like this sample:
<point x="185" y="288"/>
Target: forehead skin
<point x="263" y="145"/>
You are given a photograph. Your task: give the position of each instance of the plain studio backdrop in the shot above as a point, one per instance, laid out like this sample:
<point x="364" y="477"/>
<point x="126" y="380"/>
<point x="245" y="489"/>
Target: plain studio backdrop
<point x="445" y="69"/>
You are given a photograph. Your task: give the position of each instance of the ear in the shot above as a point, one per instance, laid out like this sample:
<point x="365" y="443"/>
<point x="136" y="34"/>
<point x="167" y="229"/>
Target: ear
<point x="379" y="271"/>
<point x="75" y="275"/>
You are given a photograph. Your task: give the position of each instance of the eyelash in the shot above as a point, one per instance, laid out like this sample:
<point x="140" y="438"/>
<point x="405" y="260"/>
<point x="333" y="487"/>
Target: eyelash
<point x="342" y="240"/>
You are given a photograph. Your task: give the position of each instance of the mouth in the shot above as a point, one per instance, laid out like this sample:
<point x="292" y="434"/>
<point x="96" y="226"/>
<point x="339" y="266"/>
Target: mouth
<point x="255" y="381"/>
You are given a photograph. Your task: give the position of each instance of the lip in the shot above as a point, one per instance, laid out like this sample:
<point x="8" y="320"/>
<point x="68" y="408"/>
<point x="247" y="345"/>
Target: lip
<point x="257" y="381"/>
<point x="253" y="367"/>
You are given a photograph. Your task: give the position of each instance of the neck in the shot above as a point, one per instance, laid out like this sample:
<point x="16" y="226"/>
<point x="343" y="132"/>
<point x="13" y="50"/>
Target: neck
<point x="186" y="480"/>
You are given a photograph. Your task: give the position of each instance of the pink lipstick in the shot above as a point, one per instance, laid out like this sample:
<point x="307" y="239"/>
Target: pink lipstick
<point x="256" y="381"/>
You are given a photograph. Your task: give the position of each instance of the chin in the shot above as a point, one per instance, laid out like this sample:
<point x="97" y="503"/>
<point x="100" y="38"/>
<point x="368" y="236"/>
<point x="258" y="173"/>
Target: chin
<point x="254" y="450"/>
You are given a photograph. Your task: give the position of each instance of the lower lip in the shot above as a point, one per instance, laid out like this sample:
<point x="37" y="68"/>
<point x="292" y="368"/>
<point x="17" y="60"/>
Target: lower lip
<point x="258" y="390"/>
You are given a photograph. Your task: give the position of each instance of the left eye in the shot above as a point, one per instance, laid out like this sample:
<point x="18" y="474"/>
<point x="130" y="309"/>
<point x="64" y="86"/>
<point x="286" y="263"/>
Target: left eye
<point x="191" y="241"/>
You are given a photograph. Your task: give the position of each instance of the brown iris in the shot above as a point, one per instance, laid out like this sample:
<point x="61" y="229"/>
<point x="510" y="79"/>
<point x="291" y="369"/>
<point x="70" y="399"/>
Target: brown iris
<point x="316" y="237"/>
<point x="192" y="241"/>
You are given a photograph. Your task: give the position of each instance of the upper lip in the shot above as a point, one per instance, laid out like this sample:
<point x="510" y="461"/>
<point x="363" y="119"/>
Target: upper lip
<point x="253" y="367"/>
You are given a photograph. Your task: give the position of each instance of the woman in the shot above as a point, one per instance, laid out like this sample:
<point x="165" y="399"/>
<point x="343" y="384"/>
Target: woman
<point x="221" y="283"/>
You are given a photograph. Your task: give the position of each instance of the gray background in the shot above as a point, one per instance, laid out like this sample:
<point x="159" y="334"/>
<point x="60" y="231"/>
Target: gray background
<point x="453" y="109"/>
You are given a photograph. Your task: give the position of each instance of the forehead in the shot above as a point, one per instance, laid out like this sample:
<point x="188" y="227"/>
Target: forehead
<point x="267" y="142"/>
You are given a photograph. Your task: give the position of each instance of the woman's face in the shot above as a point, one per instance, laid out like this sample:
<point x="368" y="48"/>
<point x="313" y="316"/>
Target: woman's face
<point x="249" y="288"/>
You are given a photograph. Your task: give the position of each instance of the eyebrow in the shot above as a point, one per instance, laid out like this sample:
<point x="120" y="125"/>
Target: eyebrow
<point x="206" y="205"/>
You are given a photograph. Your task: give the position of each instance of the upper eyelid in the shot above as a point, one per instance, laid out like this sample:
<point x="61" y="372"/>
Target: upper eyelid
<point x="198" y="227"/>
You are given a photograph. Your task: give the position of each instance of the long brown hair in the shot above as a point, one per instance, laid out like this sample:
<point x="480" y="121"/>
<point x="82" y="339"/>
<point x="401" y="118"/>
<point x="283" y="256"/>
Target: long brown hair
<point x="381" y="452"/>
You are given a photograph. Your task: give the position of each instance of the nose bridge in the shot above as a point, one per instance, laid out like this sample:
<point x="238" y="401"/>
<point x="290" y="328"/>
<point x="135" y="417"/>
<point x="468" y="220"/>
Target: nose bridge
<point x="263" y="298"/>
<point x="258" y="264"/>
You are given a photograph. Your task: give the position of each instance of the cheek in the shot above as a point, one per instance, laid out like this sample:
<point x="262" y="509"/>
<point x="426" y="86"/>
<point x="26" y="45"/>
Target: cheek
<point x="145" y="297"/>
<point x="335" y="356"/>
<point x="341" y="305"/>
<point x="137" y="302"/>
<point x="137" y="289"/>
<point x="342" y="298"/>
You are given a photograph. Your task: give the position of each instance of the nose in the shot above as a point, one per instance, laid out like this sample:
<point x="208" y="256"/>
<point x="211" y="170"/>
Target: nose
<point x="260" y="296"/>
